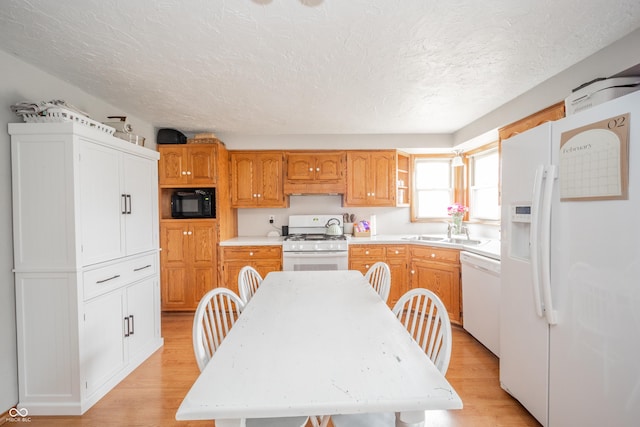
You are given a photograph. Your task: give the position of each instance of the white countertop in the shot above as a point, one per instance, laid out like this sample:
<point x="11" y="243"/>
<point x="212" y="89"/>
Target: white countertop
<point x="489" y="247"/>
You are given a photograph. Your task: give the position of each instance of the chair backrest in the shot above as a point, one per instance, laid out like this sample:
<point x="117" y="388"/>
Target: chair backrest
<point x="379" y="275"/>
<point x="217" y="312"/>
<point x="248" y="282"/>
<point x="426" y="318"/>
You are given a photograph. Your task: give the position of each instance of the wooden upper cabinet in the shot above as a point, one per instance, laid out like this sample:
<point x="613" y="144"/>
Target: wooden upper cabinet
<point x="257" y="179"/>
<point x="549" y="114"/>
<point x="371" y="178"/>
<point x="315" y="172"/>
<point x="315" y="166"/>
<point x="187" y="165"/>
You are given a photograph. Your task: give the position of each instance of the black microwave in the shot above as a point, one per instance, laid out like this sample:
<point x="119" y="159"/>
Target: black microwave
<point x="200" y="203"/>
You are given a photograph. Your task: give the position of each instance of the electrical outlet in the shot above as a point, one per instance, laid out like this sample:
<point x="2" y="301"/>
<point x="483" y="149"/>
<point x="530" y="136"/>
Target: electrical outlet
<point x="272" y="219"/>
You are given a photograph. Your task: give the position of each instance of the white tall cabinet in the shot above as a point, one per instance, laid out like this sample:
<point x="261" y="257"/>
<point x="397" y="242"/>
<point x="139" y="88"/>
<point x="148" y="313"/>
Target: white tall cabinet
<point x="86" y="245"/>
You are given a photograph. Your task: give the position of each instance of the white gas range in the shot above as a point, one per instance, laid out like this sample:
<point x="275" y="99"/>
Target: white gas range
<point x="308" y="247"/>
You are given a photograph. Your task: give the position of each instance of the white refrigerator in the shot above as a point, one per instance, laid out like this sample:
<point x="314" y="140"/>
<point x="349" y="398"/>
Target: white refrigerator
<point x="570" y="282"/>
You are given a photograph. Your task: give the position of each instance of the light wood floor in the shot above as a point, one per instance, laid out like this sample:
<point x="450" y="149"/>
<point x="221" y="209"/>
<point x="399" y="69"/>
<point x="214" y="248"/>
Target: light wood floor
<point x="151" y="395"/>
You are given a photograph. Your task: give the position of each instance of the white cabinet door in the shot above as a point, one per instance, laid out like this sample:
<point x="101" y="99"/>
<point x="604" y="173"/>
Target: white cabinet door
<point x="101" y="203"/>
<point x="141" y="192"/>
<point x="142" y="316"/>
<point x="103" y="353"/>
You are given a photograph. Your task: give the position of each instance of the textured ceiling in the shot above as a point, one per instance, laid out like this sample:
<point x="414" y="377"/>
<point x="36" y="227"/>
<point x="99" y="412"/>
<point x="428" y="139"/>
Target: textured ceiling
<point x="310" y="66"/>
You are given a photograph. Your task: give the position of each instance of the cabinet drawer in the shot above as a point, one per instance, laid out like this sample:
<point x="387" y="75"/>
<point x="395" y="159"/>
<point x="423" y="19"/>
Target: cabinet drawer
<point x="367" y="251"/>
<point x="435" y="254"/>
<point x="360" y="264"/>
<point x="252" y="252"/>
<point x="142" y="267"/>
<point x="112" y="276"/>
<point x="396" y="251"/>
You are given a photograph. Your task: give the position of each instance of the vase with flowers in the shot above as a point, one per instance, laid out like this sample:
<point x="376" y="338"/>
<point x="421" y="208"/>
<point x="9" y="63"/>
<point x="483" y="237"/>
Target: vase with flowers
<point x="457" y="211"/>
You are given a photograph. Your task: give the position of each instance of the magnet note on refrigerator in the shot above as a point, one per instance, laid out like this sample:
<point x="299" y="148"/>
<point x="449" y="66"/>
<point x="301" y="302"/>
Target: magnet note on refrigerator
<point x="594" y="161"/>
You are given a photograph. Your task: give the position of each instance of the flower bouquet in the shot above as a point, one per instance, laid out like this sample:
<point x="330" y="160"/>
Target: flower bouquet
<point x="456" y="211"/>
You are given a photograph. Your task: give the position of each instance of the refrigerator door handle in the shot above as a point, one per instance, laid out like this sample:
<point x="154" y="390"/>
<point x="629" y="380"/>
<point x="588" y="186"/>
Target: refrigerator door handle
<point x="534" y="238"/>
<point x="545" y="244"/>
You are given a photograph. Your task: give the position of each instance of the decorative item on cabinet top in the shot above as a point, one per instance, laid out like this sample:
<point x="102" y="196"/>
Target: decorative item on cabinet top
<point x="57" y="111"/>
<point x="204" y="138"/>
<point x="124" y="130"/>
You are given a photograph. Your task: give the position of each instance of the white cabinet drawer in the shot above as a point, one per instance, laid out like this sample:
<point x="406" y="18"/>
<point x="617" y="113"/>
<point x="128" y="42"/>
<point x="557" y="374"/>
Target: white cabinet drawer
<point x="114" y="275"/>
<point x="141" y="267"/>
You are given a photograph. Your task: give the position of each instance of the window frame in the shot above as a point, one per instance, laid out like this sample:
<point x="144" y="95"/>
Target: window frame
<point x="461" y="178"/>
<point x="469" y="170"/>
<point x="457" y="177"/>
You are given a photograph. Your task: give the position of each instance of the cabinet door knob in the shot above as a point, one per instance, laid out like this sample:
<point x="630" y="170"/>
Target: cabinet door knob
<point x="310" y="169"/>
<point x="184" y="172"/>
<point x="184" y="232"/>
<point x="190" y="233"/>
<point x="413" y="272"/>
<point x="433" y="255"/>
<point x="259" y="195"/>
<point x="367" y="265"/>
<point x="317" y="169"/>
<point x="188" y="172"/>
<point x="255" y="195"/>
<point x="397" y="252"/>
<point x="366" y="252"/>
<point x="250" y="253"/>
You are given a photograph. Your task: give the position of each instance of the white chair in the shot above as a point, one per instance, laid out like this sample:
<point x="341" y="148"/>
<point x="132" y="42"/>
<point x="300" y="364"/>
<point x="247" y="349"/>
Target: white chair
<point x="217" y="312"/>
<point x="379" y="275"/>
<point x="320" y="421"/>
<point x="248" y="282"/>
<point x="426" y="318"/>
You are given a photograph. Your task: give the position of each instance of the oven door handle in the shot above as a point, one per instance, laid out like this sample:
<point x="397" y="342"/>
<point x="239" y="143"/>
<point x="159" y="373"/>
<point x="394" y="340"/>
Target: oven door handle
<point x="323" y="254"/>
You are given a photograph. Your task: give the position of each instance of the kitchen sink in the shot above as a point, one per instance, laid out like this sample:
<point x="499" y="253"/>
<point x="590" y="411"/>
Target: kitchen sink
<point x="461" y="241"/>
<point x="430" y="238"/>
<point x="440" y="239"/>
<point x="426" y="238"/>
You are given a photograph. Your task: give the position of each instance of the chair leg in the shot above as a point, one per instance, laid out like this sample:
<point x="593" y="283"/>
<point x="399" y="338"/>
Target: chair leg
<point x="409" y="423"/>
<point x="320" y="421"/>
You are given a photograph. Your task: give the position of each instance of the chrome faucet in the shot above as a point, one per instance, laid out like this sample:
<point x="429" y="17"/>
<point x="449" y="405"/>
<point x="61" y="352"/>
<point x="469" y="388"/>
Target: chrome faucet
<point x="465" y="229"/>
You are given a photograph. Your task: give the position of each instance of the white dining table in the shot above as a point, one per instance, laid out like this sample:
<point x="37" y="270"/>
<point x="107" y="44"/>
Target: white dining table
<point x="317" y="343"/>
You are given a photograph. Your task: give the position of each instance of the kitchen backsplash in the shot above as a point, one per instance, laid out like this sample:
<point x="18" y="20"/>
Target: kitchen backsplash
<point x="255" y="222"/>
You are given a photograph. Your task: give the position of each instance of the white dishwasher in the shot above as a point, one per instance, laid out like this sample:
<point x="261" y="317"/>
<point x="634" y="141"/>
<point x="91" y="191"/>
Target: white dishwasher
<point x="481" y="299"/>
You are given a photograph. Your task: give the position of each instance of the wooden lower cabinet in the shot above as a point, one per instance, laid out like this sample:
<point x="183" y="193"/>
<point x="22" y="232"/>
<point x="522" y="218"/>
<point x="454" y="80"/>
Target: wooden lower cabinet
<point x="265" y="259"/>
<point x="397" y="259"/>
<point x="362" y="257"/>
<point x="189" y="262"/>
<point x="438" y="269"/>
<point x="413" y="266"/>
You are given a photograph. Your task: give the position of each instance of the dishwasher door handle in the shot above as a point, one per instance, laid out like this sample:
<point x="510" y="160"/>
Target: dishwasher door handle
<point x="481" y="268"/>
<point x="480" y="262"/>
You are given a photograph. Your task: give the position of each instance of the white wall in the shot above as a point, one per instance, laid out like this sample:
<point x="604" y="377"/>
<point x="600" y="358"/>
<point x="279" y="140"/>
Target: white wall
<point x="411" y="142"/>
<point x="255" y="222"/>
<point x="22" y="82"/>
